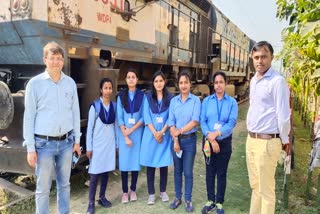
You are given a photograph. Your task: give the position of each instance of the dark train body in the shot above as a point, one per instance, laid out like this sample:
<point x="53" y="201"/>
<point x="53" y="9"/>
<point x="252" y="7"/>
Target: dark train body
<point x="102" y="38"/>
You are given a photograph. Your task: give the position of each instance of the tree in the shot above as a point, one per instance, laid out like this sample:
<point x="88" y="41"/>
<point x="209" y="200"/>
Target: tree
<point x="301" y="50"/>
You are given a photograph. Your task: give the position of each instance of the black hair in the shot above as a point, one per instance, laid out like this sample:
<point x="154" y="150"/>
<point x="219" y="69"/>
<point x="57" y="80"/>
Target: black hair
<point x="260" y="45"/>
<point x="125" y="99"/>
<point x="220" y="73"/>
<point x="186" y="74"/>
<point x="164" y="91"/>
<point x="103" y="81"/>
<point x="133" y="70"/>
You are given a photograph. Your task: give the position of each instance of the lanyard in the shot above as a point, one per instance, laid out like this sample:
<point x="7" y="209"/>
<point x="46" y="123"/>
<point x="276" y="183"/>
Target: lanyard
<point x="131" y="105"/>
<point x="219" y="110"/>
<point x="106" y="113"/>
<point x="159" y="105"/>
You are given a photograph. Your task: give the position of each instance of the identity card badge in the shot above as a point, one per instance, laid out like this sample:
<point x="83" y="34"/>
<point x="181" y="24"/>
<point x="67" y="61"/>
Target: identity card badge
<point x="217" y="126"/>
<point x="159" y="119"/>
<point x="132" y="121"/>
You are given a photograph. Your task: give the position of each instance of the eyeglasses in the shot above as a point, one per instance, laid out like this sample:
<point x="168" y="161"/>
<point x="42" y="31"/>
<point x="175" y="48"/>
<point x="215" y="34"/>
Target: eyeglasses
<point x="59" y="59"/>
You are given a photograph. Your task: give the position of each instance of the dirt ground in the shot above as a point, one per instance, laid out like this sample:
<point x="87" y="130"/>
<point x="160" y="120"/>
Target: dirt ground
<point x="238" y="192"/>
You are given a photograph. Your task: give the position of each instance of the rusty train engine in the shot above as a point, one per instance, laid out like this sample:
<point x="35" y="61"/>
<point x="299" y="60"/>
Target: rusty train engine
<point x="103" y="38"/>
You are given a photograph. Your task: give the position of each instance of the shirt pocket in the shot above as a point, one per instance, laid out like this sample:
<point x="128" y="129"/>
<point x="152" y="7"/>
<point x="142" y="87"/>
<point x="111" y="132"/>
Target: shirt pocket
<point x="67" y="98"/>
<point x="264" y="94"/>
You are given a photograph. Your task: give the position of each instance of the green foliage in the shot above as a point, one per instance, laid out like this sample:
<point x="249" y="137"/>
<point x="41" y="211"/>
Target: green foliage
<point x="301" y="51"/>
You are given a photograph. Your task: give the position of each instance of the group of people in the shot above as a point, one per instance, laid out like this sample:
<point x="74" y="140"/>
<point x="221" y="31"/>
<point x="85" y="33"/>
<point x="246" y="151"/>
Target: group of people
<point x="153" y="129"/>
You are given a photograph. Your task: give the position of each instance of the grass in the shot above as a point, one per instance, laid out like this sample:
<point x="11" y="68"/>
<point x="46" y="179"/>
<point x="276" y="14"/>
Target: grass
<point x="298" y="202"/>
<point x="238" y="192"/>
<point x="6" y="197"/>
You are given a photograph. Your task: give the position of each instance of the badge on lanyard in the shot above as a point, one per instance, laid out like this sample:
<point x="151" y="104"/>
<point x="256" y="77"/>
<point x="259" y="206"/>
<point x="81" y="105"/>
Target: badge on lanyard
<point x="159" y="119"/>
<point x="218" y="125"/>
<point x="132" y="121"/>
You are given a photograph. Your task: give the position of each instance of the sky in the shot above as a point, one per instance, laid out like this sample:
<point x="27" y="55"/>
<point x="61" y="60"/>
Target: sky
<point x="256" y="18"/>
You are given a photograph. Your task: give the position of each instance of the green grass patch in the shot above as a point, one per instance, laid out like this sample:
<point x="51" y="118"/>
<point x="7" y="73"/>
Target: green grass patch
<point x="7" y="197"/>
<point x="238" y="192"/>
<point x="298" y="201"/>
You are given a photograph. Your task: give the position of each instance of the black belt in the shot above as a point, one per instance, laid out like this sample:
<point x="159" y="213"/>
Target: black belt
<point x="62" y="137"/>
<point x="183" y="136"/>
<point x="263" y="136"/>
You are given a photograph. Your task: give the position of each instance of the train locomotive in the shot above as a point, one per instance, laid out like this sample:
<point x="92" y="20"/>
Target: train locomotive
<point x="103" y="38"/>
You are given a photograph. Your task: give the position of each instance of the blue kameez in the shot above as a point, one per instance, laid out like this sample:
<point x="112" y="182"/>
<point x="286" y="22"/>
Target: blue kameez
<point x="129" y="156"/>
<point x="102" y="143"/>
<point x="152" y="153"/>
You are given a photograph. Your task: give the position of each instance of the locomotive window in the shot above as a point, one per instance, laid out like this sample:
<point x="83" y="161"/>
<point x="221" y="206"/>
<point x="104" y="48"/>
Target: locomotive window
<point x="191" y="40"/>
<point x="173" y="34"/>
<point x="215" y="50"/>
<point x="237" y="55"/>
<point x="224" y="51"/>
<point x="245" y="60"/>
<point x="231" y="55"/>
<point x="242" y="60"/>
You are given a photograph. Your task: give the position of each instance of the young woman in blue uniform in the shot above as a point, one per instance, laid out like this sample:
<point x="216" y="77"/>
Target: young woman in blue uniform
<point x="156" y="141"/>
<point x="219" y="113"/>
<point x="130" y="121"/>
<point x="184" y="117"/>
<point x="101" y="143"/>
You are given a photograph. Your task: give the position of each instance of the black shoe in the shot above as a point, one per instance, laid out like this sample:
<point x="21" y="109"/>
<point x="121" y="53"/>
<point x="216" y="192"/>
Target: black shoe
<point x="175" y="203"/>
<point x="90" y="209"/>
<point x="189" y="207"/>
<point x="104" y="202"/>
<point x="209" y="207"/>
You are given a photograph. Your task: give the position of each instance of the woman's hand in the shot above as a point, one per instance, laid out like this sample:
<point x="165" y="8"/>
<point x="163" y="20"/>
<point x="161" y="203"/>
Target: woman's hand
<point x="158" y="136"/>
<point x="212" y="136"/>
<point x="128" y="141"/>
<point x="123" y="130"/>
<point x="127" y="131"/>
<point x="215" y="146"/>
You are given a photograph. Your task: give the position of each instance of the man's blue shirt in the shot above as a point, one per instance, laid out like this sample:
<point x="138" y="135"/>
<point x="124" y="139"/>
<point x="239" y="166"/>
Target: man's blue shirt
<point x="51" y="109"/>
